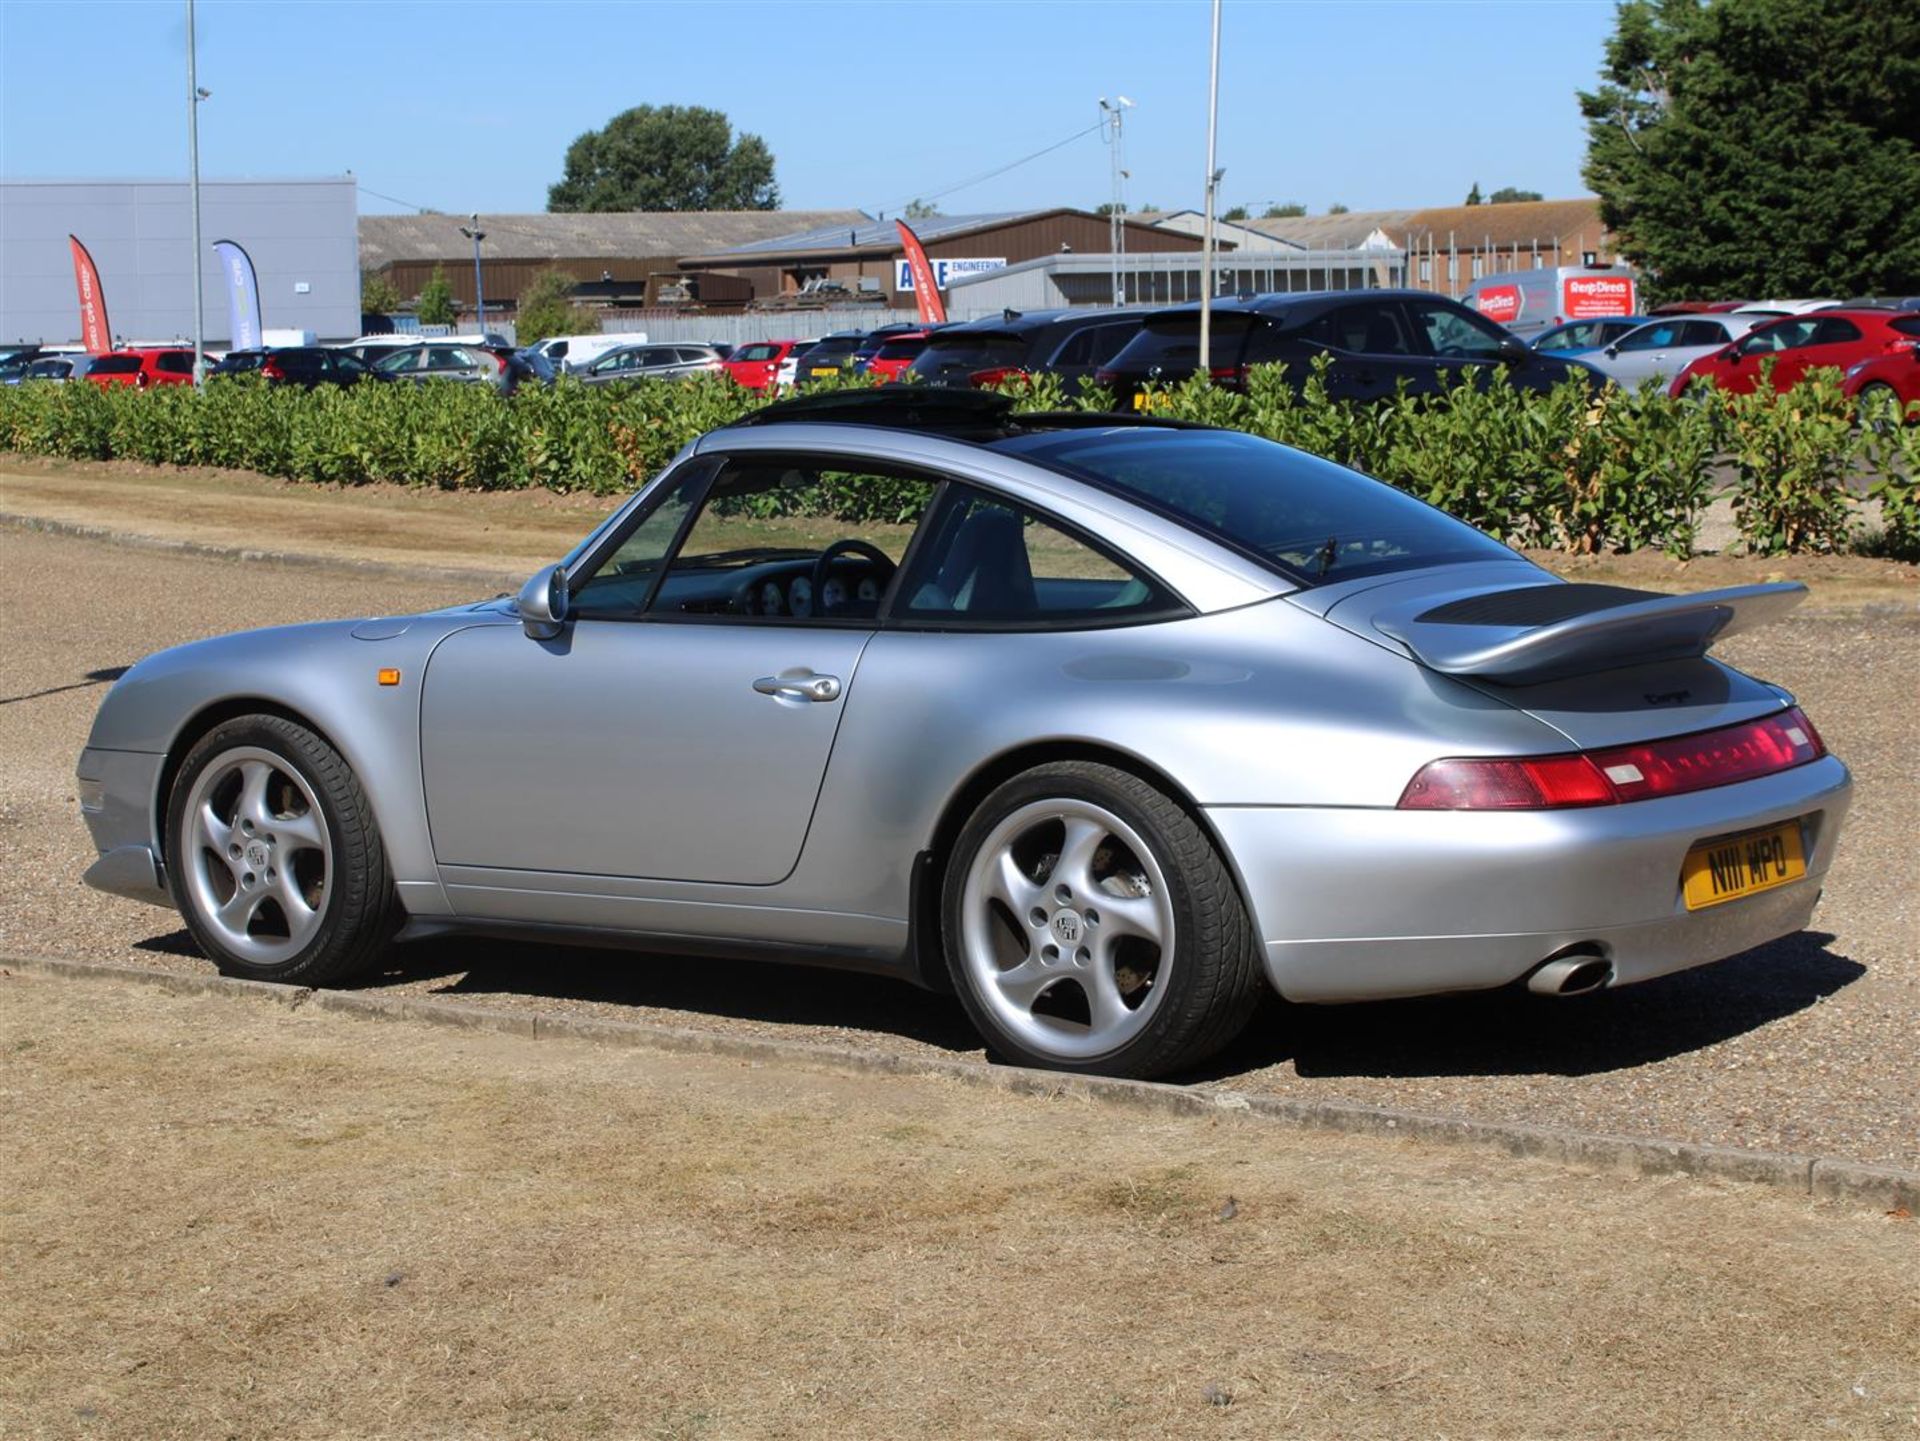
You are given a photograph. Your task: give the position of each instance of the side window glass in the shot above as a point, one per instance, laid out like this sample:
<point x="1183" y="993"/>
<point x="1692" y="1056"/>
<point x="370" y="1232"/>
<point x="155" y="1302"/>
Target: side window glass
<point x="1454" y="336"/>
<point x="793" y="539"/>
<point x="1835" y="331"/>
<point x="990" y="562"/>
<point x="618" y="588"/>
<point x="1651" y="337"/>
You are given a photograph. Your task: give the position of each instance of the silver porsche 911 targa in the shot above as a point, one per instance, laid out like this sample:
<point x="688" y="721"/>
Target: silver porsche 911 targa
<point x="1108" y="725"/>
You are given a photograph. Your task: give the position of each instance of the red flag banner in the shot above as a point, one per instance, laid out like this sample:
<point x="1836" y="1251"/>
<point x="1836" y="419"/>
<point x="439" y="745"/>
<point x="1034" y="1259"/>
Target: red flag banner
<point x="95" y="332"/>
<point x="926" y="295"/>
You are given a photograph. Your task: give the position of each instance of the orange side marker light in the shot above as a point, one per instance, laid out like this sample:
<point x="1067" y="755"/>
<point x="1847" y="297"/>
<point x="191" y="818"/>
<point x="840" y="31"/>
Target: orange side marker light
<point x="389" y="675"/>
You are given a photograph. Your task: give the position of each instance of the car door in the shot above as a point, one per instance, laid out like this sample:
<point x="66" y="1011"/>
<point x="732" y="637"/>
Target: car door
<point x="1453" y="344"/>
<point x="1370" y="346"/>
<point x="679" y="726"/>
<point x="1642" y="354"/>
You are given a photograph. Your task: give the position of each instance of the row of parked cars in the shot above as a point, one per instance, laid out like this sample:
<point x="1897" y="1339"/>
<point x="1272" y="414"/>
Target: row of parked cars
<point x="1375" y="342"/>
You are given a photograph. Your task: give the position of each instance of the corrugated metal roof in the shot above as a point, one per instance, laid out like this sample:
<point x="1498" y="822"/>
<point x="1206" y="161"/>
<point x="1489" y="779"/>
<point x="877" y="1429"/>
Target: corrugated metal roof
<point x="863" y="233"/>
<point x="1334" y="232"/>
<point x="388" y="238"/>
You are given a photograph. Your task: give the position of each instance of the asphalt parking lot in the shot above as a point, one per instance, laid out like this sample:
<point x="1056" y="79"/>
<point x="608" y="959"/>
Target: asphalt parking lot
<point x="1805" y="1045"/>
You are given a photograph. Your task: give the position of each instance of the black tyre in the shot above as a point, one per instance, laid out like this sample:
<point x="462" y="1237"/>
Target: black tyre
<point x="1091" y="926"/>
<point x="273" y="856"/>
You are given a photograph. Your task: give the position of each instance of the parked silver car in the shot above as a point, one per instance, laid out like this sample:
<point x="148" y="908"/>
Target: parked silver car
<point x="1665" y="346"/>
<point x="652" y="362"/>
<point x="1110" y="725"/>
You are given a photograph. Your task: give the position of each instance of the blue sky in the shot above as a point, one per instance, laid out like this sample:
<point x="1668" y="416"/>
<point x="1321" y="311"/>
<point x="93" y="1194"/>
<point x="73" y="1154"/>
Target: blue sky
<point x="470" y="105"/>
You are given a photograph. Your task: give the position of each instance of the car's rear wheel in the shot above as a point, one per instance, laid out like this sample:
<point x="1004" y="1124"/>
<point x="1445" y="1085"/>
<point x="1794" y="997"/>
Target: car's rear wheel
<point x="273" y="856"/>
<point x="1091" y="926"/>
<point x="1878" y="402"/>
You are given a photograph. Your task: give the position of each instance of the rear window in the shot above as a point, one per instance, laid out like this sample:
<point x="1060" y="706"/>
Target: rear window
<point x="902" y="349"/>
<point x="115" y="365"/>
<point x="1171" y="344"/>
<point x="1308" y="518"/>
<point x="242" y="360"/>
<point x="174" y="362"/>
<point x="760" y="351"/>
<point x="969" y="352"/>
<point x="1906" y="324"/>
<point x="834" y="346"/>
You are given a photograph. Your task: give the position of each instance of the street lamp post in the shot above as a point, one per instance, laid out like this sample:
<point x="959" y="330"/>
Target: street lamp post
<point x="1213" y="189"/>
<point x="476" y="235"/>
<point x="194" y="96"/>
<point x="1112" y="112"/>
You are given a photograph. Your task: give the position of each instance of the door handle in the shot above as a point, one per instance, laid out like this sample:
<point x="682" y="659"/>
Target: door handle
<point x="800" y="685"/>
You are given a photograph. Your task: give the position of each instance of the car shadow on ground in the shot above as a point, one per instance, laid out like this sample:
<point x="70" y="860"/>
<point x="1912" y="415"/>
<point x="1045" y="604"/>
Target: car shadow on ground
<point x="1512" y="1032"/>
<point x="1486" y="1033"/>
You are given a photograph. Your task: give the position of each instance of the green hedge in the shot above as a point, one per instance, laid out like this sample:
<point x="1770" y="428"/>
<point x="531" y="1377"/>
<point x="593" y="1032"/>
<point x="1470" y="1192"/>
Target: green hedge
<point x="1570" y="470"/>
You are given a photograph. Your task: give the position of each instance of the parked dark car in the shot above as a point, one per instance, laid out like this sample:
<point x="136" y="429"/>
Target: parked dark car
<point x="871" y="342"/>
<point x="1374" y="339"/>
<point x="371" y="352"/>
<point x="303" y="365"/>
<point x="827" y="357"/>
<point x="1069" y="343"/>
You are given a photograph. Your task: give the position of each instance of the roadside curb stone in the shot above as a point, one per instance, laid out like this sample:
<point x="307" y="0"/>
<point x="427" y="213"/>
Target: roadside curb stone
<point x="1821" y="1178"/>
<point x="499" y="580"/>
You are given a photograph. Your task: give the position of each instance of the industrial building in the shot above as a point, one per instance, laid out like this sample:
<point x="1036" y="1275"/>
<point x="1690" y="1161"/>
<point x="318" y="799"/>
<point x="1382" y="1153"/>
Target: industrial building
<point x="301" y="235"/>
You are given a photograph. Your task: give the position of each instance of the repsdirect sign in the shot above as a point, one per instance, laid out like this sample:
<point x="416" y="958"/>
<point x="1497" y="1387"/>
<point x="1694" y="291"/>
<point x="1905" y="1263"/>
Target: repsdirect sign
<point x="903" y="271"/>
<point x="1499" y="303"/>
<point x="1590" y="297"/>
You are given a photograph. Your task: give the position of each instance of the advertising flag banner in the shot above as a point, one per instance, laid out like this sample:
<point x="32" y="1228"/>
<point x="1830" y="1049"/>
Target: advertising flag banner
<point x="95" y="333"/>
<point x="925" y="294"/>
<point x="243" y="295"/>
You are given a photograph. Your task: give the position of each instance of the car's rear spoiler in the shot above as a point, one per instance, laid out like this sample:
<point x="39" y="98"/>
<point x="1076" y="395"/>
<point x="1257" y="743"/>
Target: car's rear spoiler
<point x="1546" y="632"/>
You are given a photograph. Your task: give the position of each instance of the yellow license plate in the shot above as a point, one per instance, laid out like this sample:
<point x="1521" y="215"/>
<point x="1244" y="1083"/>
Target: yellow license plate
<point x="1151" y="399"/>
<point x="830" y="370"/>
<point x="1742" y="865"/>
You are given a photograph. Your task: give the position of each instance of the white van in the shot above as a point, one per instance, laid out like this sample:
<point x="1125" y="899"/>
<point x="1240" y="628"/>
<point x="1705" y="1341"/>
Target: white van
<point x="577" y="352"/>
<point x="1529" y="301"/>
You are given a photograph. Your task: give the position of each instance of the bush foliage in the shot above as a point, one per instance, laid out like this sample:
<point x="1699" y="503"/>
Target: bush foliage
<point x="1572" y="469"/>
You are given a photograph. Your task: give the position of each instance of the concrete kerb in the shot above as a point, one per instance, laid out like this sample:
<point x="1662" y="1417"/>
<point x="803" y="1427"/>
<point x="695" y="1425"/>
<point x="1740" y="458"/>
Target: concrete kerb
<point x="1822" y="1178"/>
<point x="300" y="559"/>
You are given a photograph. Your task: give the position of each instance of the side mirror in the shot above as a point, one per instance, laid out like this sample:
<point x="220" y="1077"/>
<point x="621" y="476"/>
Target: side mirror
<point x="542" y="603"/>
<point x="1514" y="351"/>
<point x="1613" y="352"/>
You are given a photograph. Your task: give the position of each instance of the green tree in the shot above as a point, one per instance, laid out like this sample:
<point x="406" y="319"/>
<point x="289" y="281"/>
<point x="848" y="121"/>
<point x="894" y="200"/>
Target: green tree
<point x="1336" y="209"/>
<point x="435" y="305"/>
<point x="1108" y="207"/>
<point x="378" y="295"/>
<point x="1507" y="194"/>
<point x="1473" y="195"/>
<point x="1761" y="147"/>
<point x="547" y="308"/>
<point x="918" y="209"/>
<point x="1239" y="212"/>
<point x="1285" y="210"/>
<point x="666" y="157"/>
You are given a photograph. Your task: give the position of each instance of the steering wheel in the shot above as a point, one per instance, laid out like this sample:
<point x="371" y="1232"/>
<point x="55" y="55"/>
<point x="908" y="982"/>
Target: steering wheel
<point x="883" y="565"/>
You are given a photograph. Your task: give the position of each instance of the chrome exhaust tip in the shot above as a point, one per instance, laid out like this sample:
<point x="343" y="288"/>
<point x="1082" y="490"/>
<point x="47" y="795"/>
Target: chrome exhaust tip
<point x="1571" y="975"/>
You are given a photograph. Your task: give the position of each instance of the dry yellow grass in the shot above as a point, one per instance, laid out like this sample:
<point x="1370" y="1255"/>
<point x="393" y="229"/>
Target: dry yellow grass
<point x="220" y="1218"/>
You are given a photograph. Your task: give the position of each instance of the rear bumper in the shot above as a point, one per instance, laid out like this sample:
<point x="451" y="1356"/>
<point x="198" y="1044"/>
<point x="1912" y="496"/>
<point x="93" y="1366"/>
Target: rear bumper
<point x="1366" y="904"/>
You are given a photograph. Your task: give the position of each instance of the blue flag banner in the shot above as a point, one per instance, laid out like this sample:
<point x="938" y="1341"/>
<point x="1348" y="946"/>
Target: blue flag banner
<point x="243" y="296"/>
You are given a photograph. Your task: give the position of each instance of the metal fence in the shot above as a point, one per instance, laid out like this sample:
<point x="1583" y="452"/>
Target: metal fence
<point x="741" y="328"/>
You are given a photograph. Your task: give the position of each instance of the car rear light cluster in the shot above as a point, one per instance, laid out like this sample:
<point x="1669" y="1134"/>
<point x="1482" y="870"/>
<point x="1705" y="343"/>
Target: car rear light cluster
<point x="1624" y="773"/>
<point x="996" y="375"/>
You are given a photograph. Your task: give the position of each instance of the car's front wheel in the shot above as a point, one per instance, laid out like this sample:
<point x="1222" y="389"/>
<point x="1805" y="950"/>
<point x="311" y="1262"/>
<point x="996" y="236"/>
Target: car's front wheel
<point x="1091" y="926"/>
<point x="273" y="855"/>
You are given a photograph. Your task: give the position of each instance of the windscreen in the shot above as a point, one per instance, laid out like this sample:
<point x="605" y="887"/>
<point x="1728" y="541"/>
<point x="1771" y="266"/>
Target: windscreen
<point x="1312" y="520"/>
<point x="1171" y="344"/>
<point x="950" y="354"/>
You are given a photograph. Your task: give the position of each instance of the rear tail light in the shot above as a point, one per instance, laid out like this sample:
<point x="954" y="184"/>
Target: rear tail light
<point x="501" y="361"/>
<point x="996" y="375"/>
<point x="1623" y="773"/>
<point x="1231" y="374"/>
<point x="1105" y="377"/>
<point x="272" y="371"/>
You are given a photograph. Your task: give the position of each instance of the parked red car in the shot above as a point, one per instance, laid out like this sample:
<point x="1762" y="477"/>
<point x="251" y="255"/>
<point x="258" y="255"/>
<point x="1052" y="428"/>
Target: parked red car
<point x="1839" y="338"/>
<point x="891" y="360"/>
<point x="1895" y="376"/>
<point x="757" y="366"/>
<point x="142" y="368"/>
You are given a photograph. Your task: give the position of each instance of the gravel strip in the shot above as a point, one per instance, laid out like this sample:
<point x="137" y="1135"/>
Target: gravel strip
<point x="1805" y="1046"/>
